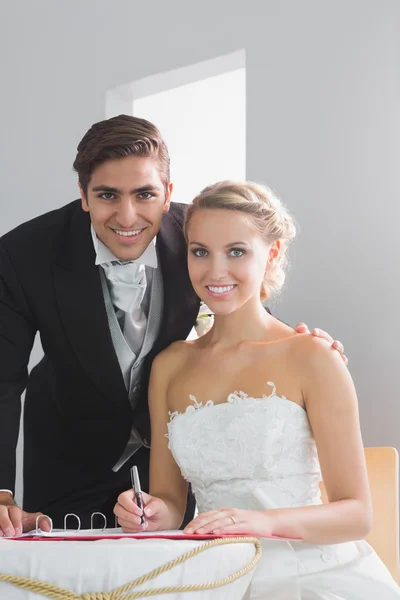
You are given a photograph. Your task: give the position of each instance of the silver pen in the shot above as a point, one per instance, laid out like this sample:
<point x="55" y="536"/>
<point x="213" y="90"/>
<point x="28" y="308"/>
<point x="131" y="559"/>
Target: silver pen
<point x="138" y="492"/>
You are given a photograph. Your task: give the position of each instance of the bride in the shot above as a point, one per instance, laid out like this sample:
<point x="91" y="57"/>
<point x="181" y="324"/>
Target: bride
<point x="252" y="413"/>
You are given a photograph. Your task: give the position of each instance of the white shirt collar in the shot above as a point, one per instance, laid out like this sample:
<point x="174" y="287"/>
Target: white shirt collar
<point x="104" y="255"/>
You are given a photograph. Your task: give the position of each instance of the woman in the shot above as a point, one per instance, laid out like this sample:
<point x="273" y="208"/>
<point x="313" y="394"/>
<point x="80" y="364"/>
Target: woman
<point x="254" y="456"/>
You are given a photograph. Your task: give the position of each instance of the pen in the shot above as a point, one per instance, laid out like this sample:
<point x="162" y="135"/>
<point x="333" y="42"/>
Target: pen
<point x="138" y="491"/>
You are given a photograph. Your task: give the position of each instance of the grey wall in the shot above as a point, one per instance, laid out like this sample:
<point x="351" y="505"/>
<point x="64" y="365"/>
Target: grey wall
<point x="323" y="90"/>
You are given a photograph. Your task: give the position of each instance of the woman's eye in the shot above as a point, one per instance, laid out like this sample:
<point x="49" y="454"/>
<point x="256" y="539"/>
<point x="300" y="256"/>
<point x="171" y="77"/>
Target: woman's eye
<point x="200" y="252"/>
<point x="236" y="252"/>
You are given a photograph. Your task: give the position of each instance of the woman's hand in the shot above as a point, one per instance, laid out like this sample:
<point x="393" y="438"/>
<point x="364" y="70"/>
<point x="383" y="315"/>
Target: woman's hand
<point x="129" y="514"/>
<point x="232" y="521"/>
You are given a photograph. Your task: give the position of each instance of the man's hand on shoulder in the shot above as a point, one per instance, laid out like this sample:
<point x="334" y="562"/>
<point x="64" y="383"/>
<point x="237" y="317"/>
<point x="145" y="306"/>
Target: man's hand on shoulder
<point x="335" y="344"/>
<point x="14" y="520"/>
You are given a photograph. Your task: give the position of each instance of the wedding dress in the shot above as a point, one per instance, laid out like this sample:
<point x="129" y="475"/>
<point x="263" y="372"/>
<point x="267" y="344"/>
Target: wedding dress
<point x="257" y="454"/>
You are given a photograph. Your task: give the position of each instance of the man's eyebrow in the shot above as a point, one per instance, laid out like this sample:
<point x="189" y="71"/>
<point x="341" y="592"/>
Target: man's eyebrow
<point x="106" y="188"/>
<point x="146" y="188"/>
<point x="114" y="190"/>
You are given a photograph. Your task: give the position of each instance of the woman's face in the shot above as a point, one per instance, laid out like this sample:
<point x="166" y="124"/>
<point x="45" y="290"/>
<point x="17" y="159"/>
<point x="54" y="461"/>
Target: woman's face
<point x="227" y="259"/>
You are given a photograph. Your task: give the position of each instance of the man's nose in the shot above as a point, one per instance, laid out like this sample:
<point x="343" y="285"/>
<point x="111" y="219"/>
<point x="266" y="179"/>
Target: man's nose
<point x="126" y="215"/>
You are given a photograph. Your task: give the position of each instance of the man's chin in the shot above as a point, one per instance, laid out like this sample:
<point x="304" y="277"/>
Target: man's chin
<point x="126" y="251"/>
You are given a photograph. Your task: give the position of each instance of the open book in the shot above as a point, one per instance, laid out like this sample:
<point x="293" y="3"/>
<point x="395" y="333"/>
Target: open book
<point x="117" y="533"/>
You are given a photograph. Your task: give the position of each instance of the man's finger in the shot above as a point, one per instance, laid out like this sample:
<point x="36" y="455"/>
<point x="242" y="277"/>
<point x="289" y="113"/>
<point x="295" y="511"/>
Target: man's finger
<point x="6" y="528"/>
<point x="338" y="346"/>
<point x="29" y="521"/>
<point x="15" y="515"/>
<point x="322" y="334"/>
<point x="302" y="328"/>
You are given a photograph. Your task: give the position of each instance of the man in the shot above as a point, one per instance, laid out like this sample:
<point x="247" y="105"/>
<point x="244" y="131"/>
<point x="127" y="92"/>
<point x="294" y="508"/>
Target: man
<point x="104" y="281"/>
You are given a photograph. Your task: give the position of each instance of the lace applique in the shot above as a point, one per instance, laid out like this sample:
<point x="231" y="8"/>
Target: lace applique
<point x="233" y="397"/>
<point x="273" y="394"/>
<point x="191" y="408"/>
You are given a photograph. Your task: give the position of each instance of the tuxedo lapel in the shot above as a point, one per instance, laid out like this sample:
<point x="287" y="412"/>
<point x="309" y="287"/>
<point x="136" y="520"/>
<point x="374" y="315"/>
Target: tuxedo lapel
<point x="81" y="307"/>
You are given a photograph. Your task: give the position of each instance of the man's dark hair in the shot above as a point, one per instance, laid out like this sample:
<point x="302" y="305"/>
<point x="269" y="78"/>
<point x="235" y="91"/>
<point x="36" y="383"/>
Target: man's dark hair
<point x="119" y="137"/>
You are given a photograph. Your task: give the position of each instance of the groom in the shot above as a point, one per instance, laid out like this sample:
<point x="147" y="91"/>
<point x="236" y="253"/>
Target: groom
<point x="104" y="281"/>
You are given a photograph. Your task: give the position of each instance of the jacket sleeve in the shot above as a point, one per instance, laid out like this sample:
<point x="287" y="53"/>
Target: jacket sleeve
<point x="17" y="334"/>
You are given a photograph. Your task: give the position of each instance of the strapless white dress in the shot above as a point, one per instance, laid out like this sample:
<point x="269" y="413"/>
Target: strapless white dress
<point x="259" y="453"/>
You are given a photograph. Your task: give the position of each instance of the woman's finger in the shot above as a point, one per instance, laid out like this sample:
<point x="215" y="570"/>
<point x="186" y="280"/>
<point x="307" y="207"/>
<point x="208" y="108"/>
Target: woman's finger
<point x="225" y="521"/>
<point x="202" y="520"/>
<point x="127" y="515"/>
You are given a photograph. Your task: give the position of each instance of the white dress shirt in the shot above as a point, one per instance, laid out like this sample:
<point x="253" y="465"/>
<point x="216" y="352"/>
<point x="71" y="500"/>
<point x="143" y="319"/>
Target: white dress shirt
<point x="130" y="286"/>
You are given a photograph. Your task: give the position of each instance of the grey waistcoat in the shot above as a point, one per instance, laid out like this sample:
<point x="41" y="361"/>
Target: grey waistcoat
<point x="132" y="367"/>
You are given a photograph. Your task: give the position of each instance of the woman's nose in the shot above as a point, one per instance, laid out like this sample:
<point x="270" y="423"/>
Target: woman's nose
<point x="218" y="269"/>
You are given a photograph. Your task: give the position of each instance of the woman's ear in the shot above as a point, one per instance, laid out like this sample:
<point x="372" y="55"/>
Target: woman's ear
<point x="274" y="252"/>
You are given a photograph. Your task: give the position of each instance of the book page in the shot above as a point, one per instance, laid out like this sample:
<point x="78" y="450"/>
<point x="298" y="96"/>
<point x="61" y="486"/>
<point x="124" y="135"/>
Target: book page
<point x="116" y="531"/>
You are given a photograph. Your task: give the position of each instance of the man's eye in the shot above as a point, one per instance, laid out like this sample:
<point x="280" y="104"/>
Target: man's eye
<point x="145" y="196"/>
<point x="107" y="196"/>
<point x="236" y="252"/>
<point x="200" y="252"/>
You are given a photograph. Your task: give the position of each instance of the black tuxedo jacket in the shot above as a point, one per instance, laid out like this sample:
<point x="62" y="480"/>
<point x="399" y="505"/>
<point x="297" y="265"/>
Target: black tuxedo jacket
<point x="77" y="416"/>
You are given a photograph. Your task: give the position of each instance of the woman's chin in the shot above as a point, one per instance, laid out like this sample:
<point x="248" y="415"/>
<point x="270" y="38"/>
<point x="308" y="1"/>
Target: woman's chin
<point x="221" y="309"/>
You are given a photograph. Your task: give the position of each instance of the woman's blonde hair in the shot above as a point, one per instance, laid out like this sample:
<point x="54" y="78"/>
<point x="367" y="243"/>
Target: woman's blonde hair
<point x="265" y="212"/>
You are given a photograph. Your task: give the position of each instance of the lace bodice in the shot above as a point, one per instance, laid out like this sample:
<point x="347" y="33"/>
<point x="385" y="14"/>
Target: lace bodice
<point x="247" y="452"/>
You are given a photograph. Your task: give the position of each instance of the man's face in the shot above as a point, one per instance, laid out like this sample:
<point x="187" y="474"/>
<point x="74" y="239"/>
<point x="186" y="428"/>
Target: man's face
<point x="126" y="199"/>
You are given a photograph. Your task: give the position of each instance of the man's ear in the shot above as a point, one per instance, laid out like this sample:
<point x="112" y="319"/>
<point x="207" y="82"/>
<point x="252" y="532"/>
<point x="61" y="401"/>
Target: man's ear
<point x="84" y="202"/>
<point x="168" y="197"/>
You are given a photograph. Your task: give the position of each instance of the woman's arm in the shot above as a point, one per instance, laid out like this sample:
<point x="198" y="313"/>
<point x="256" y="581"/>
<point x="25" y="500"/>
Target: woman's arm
<point x="166" y="481"/>
<point x="164" y="507"/>
<point x="331" y="404"/>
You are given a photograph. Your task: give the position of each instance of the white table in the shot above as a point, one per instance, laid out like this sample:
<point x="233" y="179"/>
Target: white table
<point x="103" y="565"/>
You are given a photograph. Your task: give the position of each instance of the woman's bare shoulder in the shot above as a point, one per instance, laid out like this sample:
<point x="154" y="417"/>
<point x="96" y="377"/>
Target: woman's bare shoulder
<point x="173" y="355"/>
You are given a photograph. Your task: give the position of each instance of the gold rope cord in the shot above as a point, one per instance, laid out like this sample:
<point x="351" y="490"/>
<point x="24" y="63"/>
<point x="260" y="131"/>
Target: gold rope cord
<point x="121" y="593"/>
